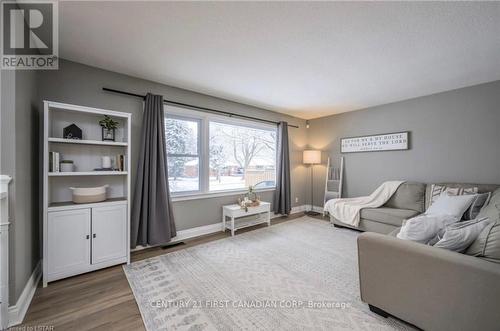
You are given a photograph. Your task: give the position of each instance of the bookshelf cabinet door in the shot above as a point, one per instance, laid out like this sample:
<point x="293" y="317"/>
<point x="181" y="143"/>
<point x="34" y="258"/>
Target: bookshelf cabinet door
<point x="109" y="233"/>
<point x="68" y="242"/>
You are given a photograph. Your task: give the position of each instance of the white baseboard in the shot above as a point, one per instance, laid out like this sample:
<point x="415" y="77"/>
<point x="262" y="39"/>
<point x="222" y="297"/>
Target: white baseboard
<point x="318" y="209"/>
<point x="18" y="311"/>
<point x="213" y="228"/>
<point x="197" y="232"/>
<point x="314" y="208"/>
<point x="295" y="210"/>
<point x="187" y="234"/>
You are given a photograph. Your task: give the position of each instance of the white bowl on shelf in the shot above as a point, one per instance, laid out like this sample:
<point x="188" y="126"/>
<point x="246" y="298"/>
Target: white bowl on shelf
<point x="89" y="194"/>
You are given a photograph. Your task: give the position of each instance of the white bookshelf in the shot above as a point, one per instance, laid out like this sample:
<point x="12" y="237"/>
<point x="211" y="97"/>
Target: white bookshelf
<point x="97" y="234"/>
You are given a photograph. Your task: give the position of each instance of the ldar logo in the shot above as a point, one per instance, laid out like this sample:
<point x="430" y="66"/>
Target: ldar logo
<point x="29" y="35"/>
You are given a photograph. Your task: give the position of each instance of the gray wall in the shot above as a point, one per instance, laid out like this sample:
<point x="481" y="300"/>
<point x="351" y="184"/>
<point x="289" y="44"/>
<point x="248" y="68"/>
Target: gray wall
<point x="7" y="121"/>
<point x="79" y="84"/>
<point x="19" y="133"/>
<point x="454" y="136"/>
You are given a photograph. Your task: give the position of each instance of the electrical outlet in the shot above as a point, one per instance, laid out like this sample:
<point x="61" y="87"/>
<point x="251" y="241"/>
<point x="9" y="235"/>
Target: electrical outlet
<point x="296" y="199"/>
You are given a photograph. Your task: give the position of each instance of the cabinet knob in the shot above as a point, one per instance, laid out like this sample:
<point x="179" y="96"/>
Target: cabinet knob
<point x="94" y="235"/>
<point x="88" y="237"/>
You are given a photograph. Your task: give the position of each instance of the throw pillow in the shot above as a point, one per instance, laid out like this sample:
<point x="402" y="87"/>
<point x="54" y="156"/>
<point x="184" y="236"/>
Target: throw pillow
<point x="457" y="237"/>
<point x="450" y="205"/>
<point x="491" y="210"/>
<point x="437" y="190"/>
<point x="478" y="203"/>
<point x="424" y="228"/>
<point x="487" y="244"/>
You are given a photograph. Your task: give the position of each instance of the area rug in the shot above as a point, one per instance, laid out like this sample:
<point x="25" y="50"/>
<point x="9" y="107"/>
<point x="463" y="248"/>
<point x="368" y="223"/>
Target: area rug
<point x="297" y="275"/>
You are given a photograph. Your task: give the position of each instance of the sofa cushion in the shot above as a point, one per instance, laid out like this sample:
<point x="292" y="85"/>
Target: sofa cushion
<point x="487" y="244"/>
<point x="409" y="195"/>
<point x="386" y="215"/>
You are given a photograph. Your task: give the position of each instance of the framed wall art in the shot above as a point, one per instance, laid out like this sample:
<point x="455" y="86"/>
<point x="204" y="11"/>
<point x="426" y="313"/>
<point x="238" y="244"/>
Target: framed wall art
<point x="380" y="142"/>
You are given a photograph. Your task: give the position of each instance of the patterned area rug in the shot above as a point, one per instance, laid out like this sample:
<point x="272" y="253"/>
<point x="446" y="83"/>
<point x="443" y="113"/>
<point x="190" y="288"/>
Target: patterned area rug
<point x="297" y="275"/>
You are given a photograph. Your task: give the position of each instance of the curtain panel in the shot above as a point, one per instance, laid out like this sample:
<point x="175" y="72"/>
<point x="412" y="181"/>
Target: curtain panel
<point x="152" y="219"/>
<point x="282" y="196"/>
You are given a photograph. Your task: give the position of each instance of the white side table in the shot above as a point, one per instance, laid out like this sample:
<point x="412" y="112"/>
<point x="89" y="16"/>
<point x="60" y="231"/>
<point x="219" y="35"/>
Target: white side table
<point x="235" y="211"/>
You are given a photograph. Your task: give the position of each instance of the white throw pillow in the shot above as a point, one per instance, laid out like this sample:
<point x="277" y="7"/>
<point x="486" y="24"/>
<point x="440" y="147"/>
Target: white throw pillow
<point x="451" y="205"/>
<point x="459" y="236"/>
<point x="423" y="228"/>
<point x="437" y="190"/>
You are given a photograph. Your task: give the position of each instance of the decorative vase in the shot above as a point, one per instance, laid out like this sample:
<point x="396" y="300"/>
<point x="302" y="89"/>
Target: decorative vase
<point x="106" y="162"/>
<point x="251" y="195"/>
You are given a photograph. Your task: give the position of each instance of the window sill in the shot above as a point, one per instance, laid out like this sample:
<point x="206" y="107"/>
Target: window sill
<point x="197" y="196"/>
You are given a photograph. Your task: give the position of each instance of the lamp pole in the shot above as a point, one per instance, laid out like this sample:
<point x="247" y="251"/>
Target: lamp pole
<point x="312" y="212"/>
<point x="312" y="187"/>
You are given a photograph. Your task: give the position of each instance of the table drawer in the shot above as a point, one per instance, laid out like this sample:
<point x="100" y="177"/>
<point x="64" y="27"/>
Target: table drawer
<point x="251" y="211"/>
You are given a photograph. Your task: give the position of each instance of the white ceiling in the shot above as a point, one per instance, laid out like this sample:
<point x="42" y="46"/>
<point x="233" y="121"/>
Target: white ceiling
<point x="301" y="58"/>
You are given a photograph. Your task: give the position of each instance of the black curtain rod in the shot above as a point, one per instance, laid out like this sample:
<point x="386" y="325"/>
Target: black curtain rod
<point x="195" y="107"/>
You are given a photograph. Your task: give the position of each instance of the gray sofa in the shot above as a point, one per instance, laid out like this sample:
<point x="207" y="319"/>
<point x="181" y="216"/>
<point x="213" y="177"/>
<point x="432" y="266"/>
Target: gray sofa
<point x="433" y="288"/>
<point x="409" y="200"/>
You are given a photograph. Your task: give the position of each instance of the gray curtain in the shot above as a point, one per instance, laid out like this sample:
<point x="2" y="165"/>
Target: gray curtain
<point x="282" y="197"/>
<point x="152" y="218"/>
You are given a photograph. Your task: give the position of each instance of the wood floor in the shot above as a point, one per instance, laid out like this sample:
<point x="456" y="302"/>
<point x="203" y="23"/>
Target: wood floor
<point x="101" y="300"/>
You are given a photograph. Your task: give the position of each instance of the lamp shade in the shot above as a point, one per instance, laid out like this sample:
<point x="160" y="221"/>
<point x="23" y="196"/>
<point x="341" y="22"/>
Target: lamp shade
<point x="312" y="157"/>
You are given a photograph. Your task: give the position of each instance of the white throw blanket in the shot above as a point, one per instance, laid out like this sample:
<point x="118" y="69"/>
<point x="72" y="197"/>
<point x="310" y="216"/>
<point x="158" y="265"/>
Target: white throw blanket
<point x="347" y="210"/>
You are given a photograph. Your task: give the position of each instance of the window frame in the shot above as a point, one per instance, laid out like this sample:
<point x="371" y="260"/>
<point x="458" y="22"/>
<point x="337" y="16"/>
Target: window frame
<point x="251" y="125"/>
<point x="204" y="148"/>
<point x="198" y="147"/>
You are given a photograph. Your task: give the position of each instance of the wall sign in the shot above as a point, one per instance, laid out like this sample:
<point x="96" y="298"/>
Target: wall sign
<point x="374" y="143"/>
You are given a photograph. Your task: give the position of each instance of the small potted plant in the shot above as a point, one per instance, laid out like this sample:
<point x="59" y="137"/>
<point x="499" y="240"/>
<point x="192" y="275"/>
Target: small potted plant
<point x="108" y="128"/>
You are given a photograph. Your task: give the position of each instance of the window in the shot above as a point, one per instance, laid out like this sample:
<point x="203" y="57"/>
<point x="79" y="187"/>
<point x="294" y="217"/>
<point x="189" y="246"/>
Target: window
<point x="241" y="156"/>
<point x="183" y="159"/>
<point x="208" y="153"/>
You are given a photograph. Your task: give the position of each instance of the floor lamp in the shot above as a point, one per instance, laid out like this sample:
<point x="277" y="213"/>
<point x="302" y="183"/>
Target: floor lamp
<point x="312" y="157"/>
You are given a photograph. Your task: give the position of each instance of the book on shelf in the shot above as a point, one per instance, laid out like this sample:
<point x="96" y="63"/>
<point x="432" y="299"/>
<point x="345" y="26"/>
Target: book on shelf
<point x="120" y="162"/>
<point x="54" y="160"/>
